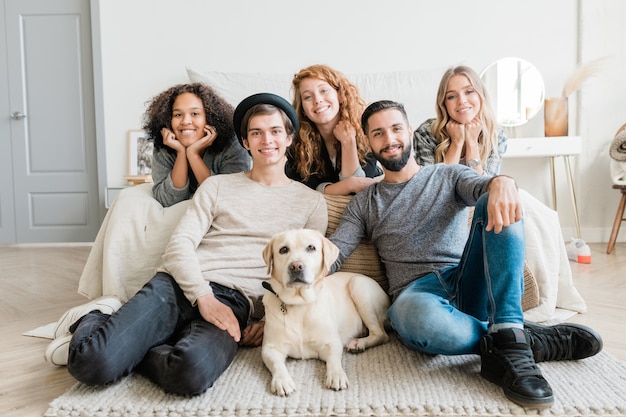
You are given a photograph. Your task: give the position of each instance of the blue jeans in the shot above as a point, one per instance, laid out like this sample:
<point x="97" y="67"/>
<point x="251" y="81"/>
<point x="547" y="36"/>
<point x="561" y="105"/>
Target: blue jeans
<point x="159" y="334"/>
<point x="448" y="311"/>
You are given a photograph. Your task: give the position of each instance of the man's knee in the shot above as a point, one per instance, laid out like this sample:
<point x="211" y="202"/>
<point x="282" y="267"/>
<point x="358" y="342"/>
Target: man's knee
<point x="415" y="310"/>
<point x="93" y="370"/>
<point x="195" y="370"/>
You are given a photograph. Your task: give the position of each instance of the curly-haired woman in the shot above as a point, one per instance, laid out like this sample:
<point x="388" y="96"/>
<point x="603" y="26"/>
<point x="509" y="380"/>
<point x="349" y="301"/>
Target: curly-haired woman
<point x="193" y="135"/>
<point x="331" y="153"/>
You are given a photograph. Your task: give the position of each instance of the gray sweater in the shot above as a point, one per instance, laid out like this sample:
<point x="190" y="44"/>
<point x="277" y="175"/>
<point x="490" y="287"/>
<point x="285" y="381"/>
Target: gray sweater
<point x="418" y="226"/>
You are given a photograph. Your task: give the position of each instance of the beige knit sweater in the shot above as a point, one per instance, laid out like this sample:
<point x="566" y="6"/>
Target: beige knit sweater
<point x="221" y="236"/>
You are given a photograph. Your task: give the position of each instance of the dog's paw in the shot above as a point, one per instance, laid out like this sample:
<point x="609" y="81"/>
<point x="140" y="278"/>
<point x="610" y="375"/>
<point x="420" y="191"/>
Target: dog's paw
<point x="283" y="386"/>
<point x="355" y="346"/>
<point x="337" y="380"/>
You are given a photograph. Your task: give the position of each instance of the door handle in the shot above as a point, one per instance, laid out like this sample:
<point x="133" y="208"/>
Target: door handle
<point x="18" y="115"/>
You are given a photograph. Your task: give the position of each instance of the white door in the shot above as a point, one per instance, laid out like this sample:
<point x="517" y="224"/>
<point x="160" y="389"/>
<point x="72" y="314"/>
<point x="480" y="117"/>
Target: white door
<point x="51" y="189"/>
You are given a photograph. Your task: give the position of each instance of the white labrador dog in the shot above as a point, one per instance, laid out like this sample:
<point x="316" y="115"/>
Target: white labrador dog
<point x="311" y="315"/>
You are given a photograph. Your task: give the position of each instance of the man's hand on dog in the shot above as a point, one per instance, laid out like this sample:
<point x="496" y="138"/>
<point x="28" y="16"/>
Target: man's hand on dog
<point x="219" y="314"/>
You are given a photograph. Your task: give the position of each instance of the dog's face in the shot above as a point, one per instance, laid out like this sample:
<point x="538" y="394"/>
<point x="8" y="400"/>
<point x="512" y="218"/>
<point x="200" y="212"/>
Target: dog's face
<point x="299" y="257"/>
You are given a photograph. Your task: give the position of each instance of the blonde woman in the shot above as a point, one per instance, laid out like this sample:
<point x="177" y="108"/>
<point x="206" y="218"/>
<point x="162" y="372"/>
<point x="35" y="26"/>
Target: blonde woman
<point x="465" y="129"/>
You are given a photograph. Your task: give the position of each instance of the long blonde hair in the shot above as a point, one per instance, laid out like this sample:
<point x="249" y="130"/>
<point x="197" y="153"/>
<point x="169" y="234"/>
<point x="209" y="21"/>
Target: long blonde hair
<point x="306" y="149"/>
<point x="488" y="138"/>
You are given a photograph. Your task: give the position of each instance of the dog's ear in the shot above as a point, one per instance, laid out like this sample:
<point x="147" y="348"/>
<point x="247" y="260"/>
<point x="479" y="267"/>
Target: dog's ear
<point x="330" y="252"/>
<point x="268" y="255"/>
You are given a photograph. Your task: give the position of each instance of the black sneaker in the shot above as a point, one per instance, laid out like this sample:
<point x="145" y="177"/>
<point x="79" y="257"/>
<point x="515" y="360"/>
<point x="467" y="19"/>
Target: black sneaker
<point x="562" y="342"/>
<point x="507" y="360"/>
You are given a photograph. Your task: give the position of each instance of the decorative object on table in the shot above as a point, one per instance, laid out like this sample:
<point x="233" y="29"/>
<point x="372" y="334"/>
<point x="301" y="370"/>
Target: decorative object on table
<point x="140" y="149"/>
<point x="556" y="108"/>
<point x="555" y="111"/>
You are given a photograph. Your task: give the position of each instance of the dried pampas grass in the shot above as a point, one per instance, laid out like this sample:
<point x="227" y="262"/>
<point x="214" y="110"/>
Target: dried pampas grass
<point x="582" y="74"/>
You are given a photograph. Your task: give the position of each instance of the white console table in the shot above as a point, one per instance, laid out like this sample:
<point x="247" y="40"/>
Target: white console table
<point x="550" y="147"/>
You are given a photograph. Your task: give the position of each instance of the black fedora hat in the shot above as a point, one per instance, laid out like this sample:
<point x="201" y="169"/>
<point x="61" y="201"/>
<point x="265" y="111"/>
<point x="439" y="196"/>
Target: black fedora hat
<point x="262" y="98"/>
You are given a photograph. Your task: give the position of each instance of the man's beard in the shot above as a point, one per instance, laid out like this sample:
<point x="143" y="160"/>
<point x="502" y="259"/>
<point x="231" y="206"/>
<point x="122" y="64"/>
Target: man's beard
<point x="395" y="164"/>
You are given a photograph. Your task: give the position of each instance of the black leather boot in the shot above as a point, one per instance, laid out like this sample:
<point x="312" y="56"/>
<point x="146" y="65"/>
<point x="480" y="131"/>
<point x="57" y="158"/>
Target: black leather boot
<point x="507" y="360"/>
<point x="562" y="342"/>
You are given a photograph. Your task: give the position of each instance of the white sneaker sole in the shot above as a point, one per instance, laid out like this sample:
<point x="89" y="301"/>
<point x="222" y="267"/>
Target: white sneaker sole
<point x="58" y="351"/>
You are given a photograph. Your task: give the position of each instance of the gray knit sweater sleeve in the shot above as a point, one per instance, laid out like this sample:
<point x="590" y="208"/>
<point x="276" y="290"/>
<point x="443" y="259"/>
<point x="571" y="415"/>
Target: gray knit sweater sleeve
<point x="418" y="226"/>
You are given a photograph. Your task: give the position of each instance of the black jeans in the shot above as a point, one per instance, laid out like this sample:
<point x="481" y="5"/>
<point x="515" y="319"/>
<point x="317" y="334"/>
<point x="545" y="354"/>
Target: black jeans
<point x="159" y="334"/>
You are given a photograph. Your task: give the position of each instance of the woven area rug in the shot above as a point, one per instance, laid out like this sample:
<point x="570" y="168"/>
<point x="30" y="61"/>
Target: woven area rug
<point x="387" y="380"/>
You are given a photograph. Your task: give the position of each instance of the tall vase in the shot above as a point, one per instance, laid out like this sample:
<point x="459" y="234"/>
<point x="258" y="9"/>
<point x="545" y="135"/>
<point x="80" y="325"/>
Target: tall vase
<point x="555" y="116"/>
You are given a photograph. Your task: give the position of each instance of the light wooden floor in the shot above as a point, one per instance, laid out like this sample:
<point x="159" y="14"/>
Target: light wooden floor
<point x="38" y="284"/>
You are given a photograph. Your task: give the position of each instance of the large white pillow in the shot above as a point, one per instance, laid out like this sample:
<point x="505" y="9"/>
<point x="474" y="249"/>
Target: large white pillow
<point x="416" y="89"/>
<point x="235" y="86"/>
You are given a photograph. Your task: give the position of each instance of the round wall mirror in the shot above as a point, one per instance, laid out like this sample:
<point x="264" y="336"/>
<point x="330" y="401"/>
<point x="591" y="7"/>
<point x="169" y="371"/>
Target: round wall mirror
<point x="516" y="89"/>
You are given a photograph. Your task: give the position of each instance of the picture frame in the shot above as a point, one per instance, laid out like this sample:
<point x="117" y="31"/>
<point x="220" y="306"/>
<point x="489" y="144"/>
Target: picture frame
<point x="140" y="150"/>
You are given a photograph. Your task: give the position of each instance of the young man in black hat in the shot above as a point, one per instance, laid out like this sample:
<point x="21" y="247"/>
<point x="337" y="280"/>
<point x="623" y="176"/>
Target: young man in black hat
<point x="182" y="329"/>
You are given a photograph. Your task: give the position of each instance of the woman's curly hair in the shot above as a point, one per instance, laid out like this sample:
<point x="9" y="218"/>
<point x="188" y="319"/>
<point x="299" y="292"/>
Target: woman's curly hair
<point x="488" y="138"/>
<point x="219" y="114"/>
<point x="306" y="148"/>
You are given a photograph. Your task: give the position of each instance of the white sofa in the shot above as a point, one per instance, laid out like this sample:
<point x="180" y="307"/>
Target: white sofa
<point x="135" y="230"/>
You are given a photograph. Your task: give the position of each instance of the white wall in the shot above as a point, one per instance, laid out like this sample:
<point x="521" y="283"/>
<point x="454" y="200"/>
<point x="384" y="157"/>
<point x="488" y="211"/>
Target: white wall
<point x="145" y="46"/>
